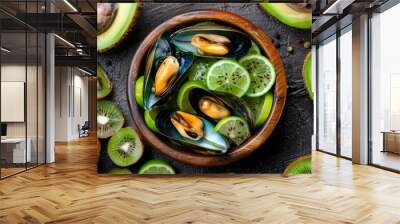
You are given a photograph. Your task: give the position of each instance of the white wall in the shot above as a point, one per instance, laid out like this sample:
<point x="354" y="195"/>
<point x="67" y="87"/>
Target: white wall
<point x="71" y="94"/>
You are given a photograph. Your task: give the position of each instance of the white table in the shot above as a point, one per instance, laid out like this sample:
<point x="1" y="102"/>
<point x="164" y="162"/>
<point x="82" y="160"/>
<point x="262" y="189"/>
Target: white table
<point x="19" y="154"/>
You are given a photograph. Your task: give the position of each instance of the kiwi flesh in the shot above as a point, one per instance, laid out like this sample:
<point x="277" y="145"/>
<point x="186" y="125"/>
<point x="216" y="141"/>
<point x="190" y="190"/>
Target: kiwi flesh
<point x="120" y="171"/>
<point x="307" y="75"/>
<point x="301" y="165"/>
<point x="114" y="22"/>
<point x="297" y="15"/>
<point x="125" y="147"/>
<point x="104" y="86"/>
<point x="109" y="118"/>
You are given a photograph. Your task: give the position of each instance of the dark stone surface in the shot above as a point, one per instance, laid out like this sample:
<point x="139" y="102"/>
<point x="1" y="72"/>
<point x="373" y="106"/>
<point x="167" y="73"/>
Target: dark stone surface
<point x="292" y="136"/>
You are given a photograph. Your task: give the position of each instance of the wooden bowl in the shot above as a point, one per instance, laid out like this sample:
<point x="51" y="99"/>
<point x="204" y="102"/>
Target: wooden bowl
<point x="259" y="136"/>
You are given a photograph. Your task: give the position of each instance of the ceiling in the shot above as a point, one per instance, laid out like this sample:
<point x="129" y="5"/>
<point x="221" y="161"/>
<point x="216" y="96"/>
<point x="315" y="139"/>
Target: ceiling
<point x="72" y="20"/>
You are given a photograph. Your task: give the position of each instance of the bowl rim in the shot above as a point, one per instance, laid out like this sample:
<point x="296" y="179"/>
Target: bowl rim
<point x="258" y="137"/>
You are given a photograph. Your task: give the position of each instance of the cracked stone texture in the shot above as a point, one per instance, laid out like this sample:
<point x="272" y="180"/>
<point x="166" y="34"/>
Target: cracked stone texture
<point x="292" y="136"/>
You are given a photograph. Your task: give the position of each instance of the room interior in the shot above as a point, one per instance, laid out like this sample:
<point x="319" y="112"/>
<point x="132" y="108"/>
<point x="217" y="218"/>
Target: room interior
<point x="356" y="141"/>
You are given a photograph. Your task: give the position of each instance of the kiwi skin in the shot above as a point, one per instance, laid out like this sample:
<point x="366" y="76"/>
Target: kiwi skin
<point x="125" y="35"/>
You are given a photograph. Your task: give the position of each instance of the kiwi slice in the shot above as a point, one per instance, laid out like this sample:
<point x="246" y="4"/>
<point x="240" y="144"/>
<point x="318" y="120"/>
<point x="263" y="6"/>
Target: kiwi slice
<point x="301" y="165"/>
<point x="307" y="75"/>
<point x="114" y="22"/>
<point x="109" y="118"/>
<point x="120" y="171"/>
<point x="104" y="86"/>
<point x="125" y="147"/>
<point x="297" y="15"/>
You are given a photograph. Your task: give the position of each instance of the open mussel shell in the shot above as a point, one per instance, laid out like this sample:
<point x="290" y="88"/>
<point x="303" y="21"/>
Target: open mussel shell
<point x="211" y="142"/>
<point x="223" y="41"/>
<point x="158" y="56"/>
<point x="236" y="106"/>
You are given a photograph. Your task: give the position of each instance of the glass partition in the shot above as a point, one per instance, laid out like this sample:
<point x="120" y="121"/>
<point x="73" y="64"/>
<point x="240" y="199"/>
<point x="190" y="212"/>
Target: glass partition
<point x="22" y="88"/>
<point x="385" y="89"/>
<point x="327" y="96"/>
<point x="346" y="92"/>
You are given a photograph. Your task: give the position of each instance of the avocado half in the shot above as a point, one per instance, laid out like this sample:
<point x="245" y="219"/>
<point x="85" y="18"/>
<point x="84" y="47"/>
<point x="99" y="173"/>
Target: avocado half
<point x="307" y="74"/>
<point x="292" y="14"/>
<point x="114" y="22"/>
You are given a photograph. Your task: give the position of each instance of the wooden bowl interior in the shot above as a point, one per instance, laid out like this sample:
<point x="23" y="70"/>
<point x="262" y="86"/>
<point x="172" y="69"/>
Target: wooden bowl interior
<point x="258" y="136"/>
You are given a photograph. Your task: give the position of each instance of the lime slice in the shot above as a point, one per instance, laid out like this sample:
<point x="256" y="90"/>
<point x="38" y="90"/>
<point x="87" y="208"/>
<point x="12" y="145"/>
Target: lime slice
<point x="156" y="167"/>
<point x="301" y="165"/>
<point x="198" y="71"/>
<point x="260" y="107"/>
<point x="307" y="75"/>
<point x="234" y="128"/>
<point x="149" y="119"/>
<point x="139" y="85"/>
<point x="183" y="95"/>
<point x="254" y="49"/>
<point x="228" y="76"/>
<point x="262" y="74"/>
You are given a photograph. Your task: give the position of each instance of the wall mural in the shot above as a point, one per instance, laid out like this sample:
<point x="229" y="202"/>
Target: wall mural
<point x="199" y="88"/>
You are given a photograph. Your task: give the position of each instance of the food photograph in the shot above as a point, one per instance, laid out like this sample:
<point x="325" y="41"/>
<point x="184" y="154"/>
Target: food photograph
<point x="197" y="88"/>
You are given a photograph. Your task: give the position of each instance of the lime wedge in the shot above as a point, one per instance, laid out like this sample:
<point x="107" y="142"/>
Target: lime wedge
<point x="234" y="128"/>
<point x="149" y="119"/>
<point x="301" y="165"/>
<point x="260" y="107"/>
<point x="198" y="71"/>
<point x="139" y="85"/>
<point x="156" y="167"/>
<point x="228" y="76"/>
<point x="262" y="74"/>
<point x="183" y="95"/>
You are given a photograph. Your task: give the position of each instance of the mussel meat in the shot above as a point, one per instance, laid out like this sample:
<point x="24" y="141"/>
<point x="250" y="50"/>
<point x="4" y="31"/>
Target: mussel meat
<point x="213" y="107"/>
<point x="217" y="106"/>
<point x="188" y="125"/>
<point x="191" y="130"/>
<point x="165" y="75"/>
<point x="211" y="44"/>
<point x="211" y="40"/>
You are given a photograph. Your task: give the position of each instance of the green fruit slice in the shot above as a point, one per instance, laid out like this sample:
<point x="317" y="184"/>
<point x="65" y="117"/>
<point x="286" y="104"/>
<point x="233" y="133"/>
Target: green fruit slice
<point x="294" y="15"/>
<point x="301" y="165"/>
<point x="183" y="95"/>
<point x="228" y="76"/>
<point x="307" y="75"/>
<point x="198" y="71"/>
<point x="139" y="85"/>
<point x="260" y="107"/>
<point x="262" y="74"/>
<point x="234" y="128"/>
<point x="125" y="147"/>
<point x="104" y="86"/>
<point x="149" y="119"/>
<point x="156" y="167"/>
<point x="120" y="171"/>
<point x="123" y="21"/>
<point x="109" y="118"/>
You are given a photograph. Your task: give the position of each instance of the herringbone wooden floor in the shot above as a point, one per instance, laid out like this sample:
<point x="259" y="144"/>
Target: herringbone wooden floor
<point x="70" y="191"/>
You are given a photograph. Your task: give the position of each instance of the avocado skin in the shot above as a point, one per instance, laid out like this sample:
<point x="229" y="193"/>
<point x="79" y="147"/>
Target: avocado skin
<point x="132" y="24"/>
<point x="288" y="16"/>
